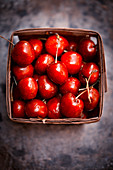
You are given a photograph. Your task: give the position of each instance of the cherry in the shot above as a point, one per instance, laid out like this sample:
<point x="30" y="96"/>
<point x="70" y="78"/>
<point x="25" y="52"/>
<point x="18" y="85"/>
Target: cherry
<point x="23" y="53"/>
<point x="57" y="72"/>
<point x="73" y="61"/>
<point x="42" y="63"/>
<point x="94" y="97"/>
<point x="53" y="106"/>
<point x="71" y="106"/>
<point x="51" y="45"/>
<point x="87" y="49"/>
<point x="36" y="77"/>
<point x="18" y="109"/>
<point x="47" y="88"/>
<point x="37" y="45"/>
<point x="22" y="72"/>
<point x="28" y="88"/>
<point x="72" y="85"/>
<point x="89" y="69"/>
<point x="36" y="108"/>
<point x="72" y="46"/>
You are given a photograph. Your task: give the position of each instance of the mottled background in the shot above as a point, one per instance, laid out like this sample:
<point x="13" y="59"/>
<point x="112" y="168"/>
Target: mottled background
<point x="32" y="147"/>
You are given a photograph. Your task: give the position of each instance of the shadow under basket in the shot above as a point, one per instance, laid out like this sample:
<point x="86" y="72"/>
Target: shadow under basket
<point x="72" y="35"/>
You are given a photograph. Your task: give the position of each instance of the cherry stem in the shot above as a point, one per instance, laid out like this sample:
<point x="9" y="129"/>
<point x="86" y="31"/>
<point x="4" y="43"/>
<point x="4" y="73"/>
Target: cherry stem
<point x="7" y="40"/>
<point x="40" y="118"/>
<point x="95" y="45"/>
<point x="44" y="100"/>
<point x="43" y="120"/>
<point x="82" y="89"/>
<point x="58" y="38"/>
<point x="87" y="87"/>
<point x="65" y="51"/>
<point x="12" y="91"/>
<point x="42" y="39"/>
<point x="15" y="81"/>
<point x="81" y="94"/>
<point x="94" y="71"/>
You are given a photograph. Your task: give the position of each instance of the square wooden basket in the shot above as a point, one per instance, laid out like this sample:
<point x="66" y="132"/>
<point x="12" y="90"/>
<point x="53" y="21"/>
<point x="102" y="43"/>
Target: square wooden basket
<point x="70" y="34"/>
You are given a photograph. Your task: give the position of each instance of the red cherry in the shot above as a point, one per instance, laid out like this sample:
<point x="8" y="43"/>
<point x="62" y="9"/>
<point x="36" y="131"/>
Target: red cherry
<point x="57" y="72"/>
<point x="37" y="45"/>
<point x="71" y="86"/>
<point x="87" y="49"/>
<point x="70" y="106"/>
<point x="53" y="106"/>
<point x="52" y="42"/>
<point x="47" y="88"/>
<point x="89" y="68"/>
<point x="36" y="108"/>
<point x="73" y="61"/>
<point x="22" y="72"/>
<point x="42" y="63"/>
<point x="28" y="88"/>
<point x="16" y="93"/>
<point x="23" y="53"/>
<point x="18" y="109"/>
<point x="72" y="46"/>
<point x="36" y="77"/>
<point x="94" y="96"/>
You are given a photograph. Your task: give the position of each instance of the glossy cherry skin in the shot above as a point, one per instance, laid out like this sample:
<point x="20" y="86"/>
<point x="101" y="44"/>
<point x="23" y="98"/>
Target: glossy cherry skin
<point x="87" y="49"/>
<point x="94" y="96"/>
<point x="37" y="45"/>
<point x="28" y="88"/>
<point x="70" y="106"/>
<point x="52" y="42"/>
<point x="47" y="88"/>
<point x="22" y="72"/>
<point x="43" y="62"/>
<point x="18" y="109"/>
<point x="36" y="108"/>
<point x="72" y="46"/>
<point x="23" y="53"/>
<point x="72" y="85"/>
<point x="53" y="106"/>
<point x="57" y="72"/>
<point x="85" y="72"/>
<point x="73" y="61"/>
<point x="36" y="77"/>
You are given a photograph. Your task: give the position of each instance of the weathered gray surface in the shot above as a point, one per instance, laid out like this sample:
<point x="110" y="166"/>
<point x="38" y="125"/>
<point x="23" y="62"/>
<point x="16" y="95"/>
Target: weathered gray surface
<point x="35" y="147"/>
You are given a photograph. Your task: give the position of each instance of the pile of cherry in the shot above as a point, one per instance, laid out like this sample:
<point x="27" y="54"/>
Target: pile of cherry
<point x="48" y="76"/>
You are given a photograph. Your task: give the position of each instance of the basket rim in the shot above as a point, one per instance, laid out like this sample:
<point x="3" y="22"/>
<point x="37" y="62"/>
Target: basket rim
<point x="57" y="121"/>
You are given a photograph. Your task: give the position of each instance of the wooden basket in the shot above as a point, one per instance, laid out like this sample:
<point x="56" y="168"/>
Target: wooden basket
<point x="70" y="34"/>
